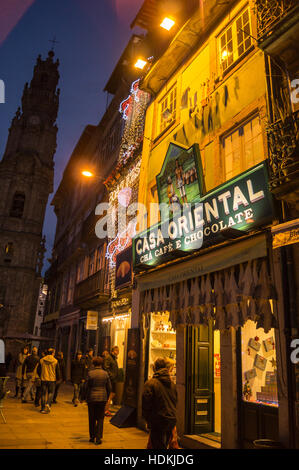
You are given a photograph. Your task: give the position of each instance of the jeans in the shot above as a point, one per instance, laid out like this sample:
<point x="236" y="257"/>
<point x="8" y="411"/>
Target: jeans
<point x="96" y="419"/>
<point x="57" y="385"/>
<point x="47" y="388"/>
<point x="77" y="390"/>
<point x="30" y="384"/>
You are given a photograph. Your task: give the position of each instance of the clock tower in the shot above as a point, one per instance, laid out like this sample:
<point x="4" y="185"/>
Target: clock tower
<point x="26" y="179"/>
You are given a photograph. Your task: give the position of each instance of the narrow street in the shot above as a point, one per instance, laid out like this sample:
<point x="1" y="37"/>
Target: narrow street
<point x="66" y="427"/>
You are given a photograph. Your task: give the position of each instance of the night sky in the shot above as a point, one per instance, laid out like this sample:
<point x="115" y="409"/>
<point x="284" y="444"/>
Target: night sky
<point x="91" y="36"/>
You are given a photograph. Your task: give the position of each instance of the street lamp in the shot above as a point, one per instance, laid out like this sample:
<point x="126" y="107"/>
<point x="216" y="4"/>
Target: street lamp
<point x="167" y="23"/>
<point x="140" y="64"/>
<point x="87" y="173"/>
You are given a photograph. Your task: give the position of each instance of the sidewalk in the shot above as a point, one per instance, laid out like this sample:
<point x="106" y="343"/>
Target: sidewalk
<point x="66" y="427"/>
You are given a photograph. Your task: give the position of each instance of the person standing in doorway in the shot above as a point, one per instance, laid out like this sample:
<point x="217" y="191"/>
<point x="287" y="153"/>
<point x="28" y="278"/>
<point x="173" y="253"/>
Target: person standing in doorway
<point x="159" y="401"/>
<point x="78" y="376"/>
<point x="61" y="363"/>
<point x="49" y="372"/>
<point x="29" y="371"/>
<point x="111" y="367"/>
<point x="19" y="375"/>
<point x="98" y="391"/>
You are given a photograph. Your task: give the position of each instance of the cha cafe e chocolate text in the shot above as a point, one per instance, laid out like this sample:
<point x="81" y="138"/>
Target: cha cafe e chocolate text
<point x="241" y="204"/>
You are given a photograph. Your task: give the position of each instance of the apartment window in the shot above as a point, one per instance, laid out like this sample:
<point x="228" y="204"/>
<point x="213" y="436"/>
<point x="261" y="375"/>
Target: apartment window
<point x="235" y="40"/>
<point x="167" y="109"/>
<point x="70" y="294"/>
<point x="100" y="257"/>
<point x="80" y="270"/>
<point x="91" y="264"/>
<point x="18" y="204"/>
<point x="64" y="288"/>
<point x="243" y="148"/>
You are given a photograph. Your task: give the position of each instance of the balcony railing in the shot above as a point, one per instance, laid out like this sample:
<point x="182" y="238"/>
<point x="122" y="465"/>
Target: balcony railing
<point x="270" y="12"/>
<point x="91" y="291"/>
<point x="283" y="138"/>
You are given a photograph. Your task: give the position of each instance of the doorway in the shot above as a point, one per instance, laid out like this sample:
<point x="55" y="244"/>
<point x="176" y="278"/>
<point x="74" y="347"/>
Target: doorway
<point x="203" y="404"/>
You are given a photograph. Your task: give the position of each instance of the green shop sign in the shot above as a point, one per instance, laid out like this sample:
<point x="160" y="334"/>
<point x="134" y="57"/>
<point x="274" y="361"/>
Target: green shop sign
<point x="191" y="219"/>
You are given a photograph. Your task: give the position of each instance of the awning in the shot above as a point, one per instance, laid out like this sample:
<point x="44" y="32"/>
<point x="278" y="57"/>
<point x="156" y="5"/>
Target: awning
<point x="285" y="234"/>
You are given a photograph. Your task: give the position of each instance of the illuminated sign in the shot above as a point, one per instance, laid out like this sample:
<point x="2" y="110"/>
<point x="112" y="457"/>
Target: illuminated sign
<point x="232" y="209"/>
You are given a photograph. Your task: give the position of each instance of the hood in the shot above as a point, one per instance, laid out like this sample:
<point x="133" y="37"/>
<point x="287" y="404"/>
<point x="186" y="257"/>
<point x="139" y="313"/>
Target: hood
<point x="163" y="376"/>
<point x="49" y="359"/>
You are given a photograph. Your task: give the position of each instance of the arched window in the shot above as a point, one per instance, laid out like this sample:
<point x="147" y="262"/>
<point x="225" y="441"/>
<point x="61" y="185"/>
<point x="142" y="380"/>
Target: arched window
<point x="18" y="204"/>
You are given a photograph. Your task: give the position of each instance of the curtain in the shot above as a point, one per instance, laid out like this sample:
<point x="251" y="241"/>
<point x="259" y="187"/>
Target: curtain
<point x="230" y="297"/>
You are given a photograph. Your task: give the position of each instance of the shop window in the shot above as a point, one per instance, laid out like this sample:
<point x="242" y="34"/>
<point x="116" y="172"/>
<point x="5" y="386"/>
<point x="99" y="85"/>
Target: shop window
<point x="167" y="109"/>
<point x="243" y="148"/>
<point x="235" y="41"/>
<point x="162" y="342"/>
<point x="259" y="369"/>
<point x="17" y="207"/>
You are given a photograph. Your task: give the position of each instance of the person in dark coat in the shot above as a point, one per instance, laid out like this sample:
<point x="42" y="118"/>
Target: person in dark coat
<point x="88" y="359"/>
<point x="61" y="363"/>
<point x="159" y="400"/>
<point x="97" y="392"/>
<point x="111" y="366"/>
<point x="29" y="371"/>
<point x="78" y="376"/>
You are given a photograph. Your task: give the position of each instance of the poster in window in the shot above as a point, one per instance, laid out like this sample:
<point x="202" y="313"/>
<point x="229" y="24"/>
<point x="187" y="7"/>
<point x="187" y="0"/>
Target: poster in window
<point x="132" y="369"/>
<point x="123" y="268"/>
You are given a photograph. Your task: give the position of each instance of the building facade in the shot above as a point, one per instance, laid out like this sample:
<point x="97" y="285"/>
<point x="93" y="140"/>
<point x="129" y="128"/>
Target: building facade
<point x="26" y="174"/>
<point x="209" y="284"/>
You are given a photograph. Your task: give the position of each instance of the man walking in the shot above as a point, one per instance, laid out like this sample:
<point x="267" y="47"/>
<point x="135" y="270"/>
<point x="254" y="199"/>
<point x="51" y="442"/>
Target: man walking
<point x="159" y="402"/>
<point x="111" y="366"/>
<point x="49" y="373"/>
<point x="61" y="363"/>
<point x="78" y="375"/>
<point x="88" y="359"/>
<point x="29" y="371"/>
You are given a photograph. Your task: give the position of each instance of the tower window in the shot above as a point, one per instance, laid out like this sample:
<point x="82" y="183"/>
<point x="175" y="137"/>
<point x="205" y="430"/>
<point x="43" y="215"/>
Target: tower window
<point x="18" y="204"/>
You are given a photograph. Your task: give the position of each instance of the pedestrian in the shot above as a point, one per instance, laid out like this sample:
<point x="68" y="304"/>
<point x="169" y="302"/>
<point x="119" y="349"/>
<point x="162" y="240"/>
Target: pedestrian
<point x="159" y="400"/>
<point x="97" y="392"/>
<point x="19" y="376"/>
<point x="89" y="359"/>
<point x="111" y="366"/>
<point x="61" y="363"/>
<point x="78" y="375"/>
<point x="29" y="371"/>
<point x="49" y="372"/>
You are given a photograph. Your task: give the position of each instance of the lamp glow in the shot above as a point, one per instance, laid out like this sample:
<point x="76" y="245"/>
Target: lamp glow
<point x="87" y="173"/>
<point x="140" y="64"/>
<point x="167" y="23"/>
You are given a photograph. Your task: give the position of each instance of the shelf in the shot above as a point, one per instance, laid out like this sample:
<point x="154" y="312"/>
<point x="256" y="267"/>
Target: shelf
<point x="164" y="332"/>
<point x="163" y="349"/>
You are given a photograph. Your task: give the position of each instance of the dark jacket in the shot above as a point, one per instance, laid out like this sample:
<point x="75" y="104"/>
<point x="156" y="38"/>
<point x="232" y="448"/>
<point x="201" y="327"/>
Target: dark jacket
<point x="159" y="399"/>
<point x="30" y="363"/>
<point x="98" y="386"/>
<point x="88" y="362"/>
<point x="111" y="366"/>
<point x="61" y="363"/>
<point x="78" y="371"/>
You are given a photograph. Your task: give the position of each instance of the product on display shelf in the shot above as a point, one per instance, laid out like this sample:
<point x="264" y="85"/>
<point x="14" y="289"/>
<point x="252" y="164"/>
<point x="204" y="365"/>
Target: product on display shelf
<point x="162" y="342"/>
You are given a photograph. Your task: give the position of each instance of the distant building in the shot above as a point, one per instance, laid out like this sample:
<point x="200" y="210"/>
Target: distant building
<point x="40" y="310"/>
<point x="26" y="180"/>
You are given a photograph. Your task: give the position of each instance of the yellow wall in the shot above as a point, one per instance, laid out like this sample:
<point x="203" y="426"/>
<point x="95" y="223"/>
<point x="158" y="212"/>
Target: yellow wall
<point x="238" y="94"/>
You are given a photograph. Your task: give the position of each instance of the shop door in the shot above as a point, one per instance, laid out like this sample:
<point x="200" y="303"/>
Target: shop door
<point x="200" y="380"/>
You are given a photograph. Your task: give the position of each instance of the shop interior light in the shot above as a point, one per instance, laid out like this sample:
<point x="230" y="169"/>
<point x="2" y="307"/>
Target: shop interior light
<point x="116" y="317"/>
<point x="140" y="64"/>
<point x="167" y="23"/>
<point x="224" y="54"/>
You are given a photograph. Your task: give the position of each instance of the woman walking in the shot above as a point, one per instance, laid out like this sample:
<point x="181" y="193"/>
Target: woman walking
<point x="19" y="374"/>
<point x="97" y="393"/>
<point x="78" y="376"/>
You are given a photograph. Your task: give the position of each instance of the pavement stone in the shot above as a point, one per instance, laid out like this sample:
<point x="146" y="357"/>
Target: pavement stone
<point x="66" y="427"/>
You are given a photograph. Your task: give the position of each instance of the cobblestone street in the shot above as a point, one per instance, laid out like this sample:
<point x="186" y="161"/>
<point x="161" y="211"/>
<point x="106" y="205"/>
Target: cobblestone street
<point x="66" y="427"/>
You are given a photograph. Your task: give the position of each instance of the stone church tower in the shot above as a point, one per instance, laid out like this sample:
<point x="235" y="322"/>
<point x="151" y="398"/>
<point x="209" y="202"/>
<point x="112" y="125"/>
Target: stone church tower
<point x="26" y="180"/>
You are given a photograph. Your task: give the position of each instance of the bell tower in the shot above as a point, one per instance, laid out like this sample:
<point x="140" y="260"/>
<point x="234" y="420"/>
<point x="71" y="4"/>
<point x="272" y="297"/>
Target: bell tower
<point x="26" y="180"/>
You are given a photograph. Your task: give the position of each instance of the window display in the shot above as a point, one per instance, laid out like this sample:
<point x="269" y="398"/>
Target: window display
<point x="162" y="342"/>
<point x="259" y="373"/>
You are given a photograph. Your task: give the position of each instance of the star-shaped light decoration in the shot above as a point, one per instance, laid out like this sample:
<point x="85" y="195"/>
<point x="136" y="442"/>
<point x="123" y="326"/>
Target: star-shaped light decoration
<point x="273" y="362"/>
